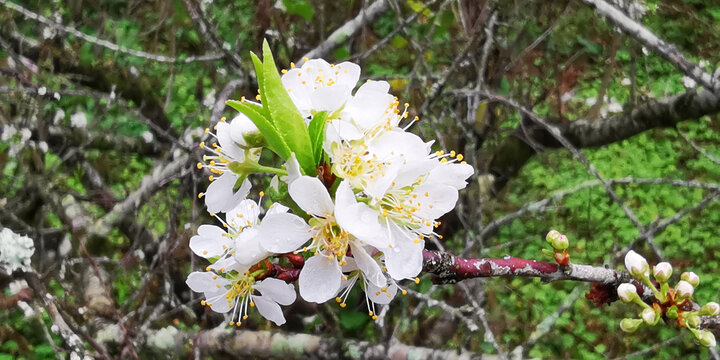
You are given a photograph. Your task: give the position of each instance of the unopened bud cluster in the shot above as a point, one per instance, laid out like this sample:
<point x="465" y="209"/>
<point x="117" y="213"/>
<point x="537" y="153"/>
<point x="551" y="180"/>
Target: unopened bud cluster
<point x="669" y="302"/>
<point x="560" y="244"/>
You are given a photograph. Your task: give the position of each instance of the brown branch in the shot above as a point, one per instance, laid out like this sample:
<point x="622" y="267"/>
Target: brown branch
<point x="667" y="51"/>
<point x="266" y="344"/>
<point x="104" y="43"/>
<point x="666" y="112"/>
<point x="348" y="30"/>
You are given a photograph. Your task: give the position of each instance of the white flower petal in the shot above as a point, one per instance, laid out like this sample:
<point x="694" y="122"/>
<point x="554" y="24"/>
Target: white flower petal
<point x="369" y="267"/>
<point x="277" y="208"/>
<point x="246" y="213"/>
<point x="227" y="144"/>
<point x="329" y="98"/>
<point x="276" y="290"/>
<point x="248" y="250"/>
<point x="220" y="196"/>
<point x="358" y="218"/>
<point x="293" y="168"/>
<point x="451" y="174"/>
<point x="240" y="126"/>
<point x="209" y="241"/>
<point x="206" y="282"/>
<point x="219" y="303"/>
<point x="311" y="195"/>
<point x="404" y="260"/>
<point x="281" y="233"/>
<point x="319" y="279"/>
<point x="269" y="309"/>
<point x="378" y="296"/>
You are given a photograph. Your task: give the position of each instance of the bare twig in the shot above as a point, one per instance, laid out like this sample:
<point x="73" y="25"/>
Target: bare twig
<point x="107" y="44"/>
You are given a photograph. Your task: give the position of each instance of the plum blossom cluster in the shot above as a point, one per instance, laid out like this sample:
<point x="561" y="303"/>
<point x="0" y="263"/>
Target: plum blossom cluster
<point x="351" y="205"/>
<point x="668" y="302"/>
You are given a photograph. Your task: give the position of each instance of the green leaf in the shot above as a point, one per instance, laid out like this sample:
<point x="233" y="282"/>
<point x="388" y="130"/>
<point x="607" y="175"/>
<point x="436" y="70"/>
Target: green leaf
<point x="352" y="319"/>
<point x="258" y="70"/>
<point x="267" y="129"/>
<point x="299" y="7"/>
<point x="317" y="135"/>
<point x="285" y="116"/>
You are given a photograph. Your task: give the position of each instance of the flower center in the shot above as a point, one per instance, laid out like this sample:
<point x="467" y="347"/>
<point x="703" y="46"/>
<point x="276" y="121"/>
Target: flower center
<point x="330" y="240"/>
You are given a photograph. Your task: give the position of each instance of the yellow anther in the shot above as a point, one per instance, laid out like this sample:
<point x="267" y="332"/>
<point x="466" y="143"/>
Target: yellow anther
<point x="200" y="195"/>
<point x="211" y="178"/>
<point x="404" y="292"/>
<point x="284" y="71"/>
<point x="245" y="317"/>
<point x="460" y="157"/>
<point x="214" y="277"/>
<point x="370" y="313"/>
<point x="452" y="153"/>
<point x="343" y="305"/>
<point x="416" y="118"/>
<point x="238" y="324"/>
<point x="383" y="289"/>
<point x="375" y="317"/>
<point x="202" y="144"/>
<point x="292" y="65"/>
<point x="223" y="119"/>
<point x="257" y="97"/>
<point x="199" y="165"/>
<point x="232" y="323"/>
<point x="417" y="280"/>
<point x="217" y="286"/>
<point x="205" y="252"/>
<point x="338" y="299"/>
<point x="207" y="130"/>
<point x="305" y="58"/>
<point x="242" y="99"/>
<point x="262" y="193"/>
<point x="407" y="105"/>
<point x="252" y="304"/>
<point x="203" y="303"/>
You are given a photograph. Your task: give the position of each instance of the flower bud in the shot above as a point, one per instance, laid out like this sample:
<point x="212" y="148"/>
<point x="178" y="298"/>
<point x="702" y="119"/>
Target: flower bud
<point x="557" y="240"/>
<point x="690" y="277"/>
<point x="649" y="316"/>
<point x="662" y="272"/>
<point x="706" y="338"/>
<point x="684" y="289"/>
<point x="711" y="308"/>
<point x="637" y="265"/>
<point x="630" y="325"/>
<point x="692" y="321"/>
<point x="627" y="292"/>
<point x="672" y="312"/>
<point x="244" y="132"/>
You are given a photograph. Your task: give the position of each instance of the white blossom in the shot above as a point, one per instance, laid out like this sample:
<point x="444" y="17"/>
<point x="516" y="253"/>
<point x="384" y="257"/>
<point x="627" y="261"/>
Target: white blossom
<point x="78" y="120"/>
<point x="237" y="292"/>
<point x="15" y="251"/>
<point x="320" y="86"/>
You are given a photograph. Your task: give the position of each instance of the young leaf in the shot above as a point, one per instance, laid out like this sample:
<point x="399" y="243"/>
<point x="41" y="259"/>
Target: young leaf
<point x="267" y="129"/>
<point x="317" y="135"/>
<point x="285" y="116"/>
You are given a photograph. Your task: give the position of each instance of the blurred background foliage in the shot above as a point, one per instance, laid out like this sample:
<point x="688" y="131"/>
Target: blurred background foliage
<point x="559" y="78"/>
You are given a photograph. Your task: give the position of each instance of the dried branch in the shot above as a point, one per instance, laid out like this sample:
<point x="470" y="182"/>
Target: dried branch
<point x="667" y="51"/>
<point x="150" y="183"/>
<point x="299" y="346"/>
<point x="107" y="44"/>
<point x="348" y="30"/>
